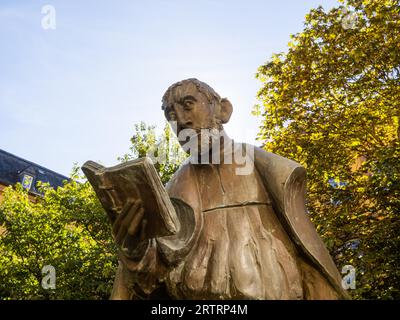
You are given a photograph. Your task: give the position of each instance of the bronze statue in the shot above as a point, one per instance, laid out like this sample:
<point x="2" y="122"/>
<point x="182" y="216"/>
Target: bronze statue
<point x="240" y="236"/>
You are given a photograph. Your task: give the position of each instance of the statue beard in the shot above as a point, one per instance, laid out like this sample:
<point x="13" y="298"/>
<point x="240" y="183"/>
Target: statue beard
<point x="203" y="140"/>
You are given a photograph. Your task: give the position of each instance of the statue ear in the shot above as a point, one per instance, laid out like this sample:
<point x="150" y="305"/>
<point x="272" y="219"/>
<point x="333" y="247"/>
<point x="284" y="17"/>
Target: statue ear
<point x="226" y="110"/>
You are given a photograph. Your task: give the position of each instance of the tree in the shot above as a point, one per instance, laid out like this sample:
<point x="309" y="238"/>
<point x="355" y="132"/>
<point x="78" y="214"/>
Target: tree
<point x="68" y="229"/>
<point x="331" y="102"/>
<point x="164" y="150"/>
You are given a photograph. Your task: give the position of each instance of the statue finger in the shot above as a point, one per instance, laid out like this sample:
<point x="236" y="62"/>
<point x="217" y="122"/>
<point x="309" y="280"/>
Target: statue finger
<point x="132" y="213"/>
<point x="121" y="216"/>
<point x="136" y="222"/>
<point x="143" y="229"/>
<point x="120" y="236"/>
<point x="116" y="227"/>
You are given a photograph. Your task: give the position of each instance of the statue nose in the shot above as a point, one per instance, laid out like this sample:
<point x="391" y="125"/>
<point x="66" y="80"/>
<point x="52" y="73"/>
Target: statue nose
<point x="183" y="121"/>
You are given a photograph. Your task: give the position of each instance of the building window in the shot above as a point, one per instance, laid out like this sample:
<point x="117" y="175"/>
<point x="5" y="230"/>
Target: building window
<point x="27" y="181"/>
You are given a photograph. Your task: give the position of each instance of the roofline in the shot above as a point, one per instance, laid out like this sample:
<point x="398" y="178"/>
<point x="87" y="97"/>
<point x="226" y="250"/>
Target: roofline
<point x="35" y="164"/>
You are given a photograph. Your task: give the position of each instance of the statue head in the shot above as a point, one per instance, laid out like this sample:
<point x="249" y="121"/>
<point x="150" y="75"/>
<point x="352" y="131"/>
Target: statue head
<point x="195" y="105"/>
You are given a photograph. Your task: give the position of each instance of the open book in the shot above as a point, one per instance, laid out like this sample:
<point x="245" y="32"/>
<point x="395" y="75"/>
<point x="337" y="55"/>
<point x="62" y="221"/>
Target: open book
<point x="137" y="179"/>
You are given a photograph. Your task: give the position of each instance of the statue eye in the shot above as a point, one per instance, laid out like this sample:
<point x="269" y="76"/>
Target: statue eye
<point x="188" y="104"/>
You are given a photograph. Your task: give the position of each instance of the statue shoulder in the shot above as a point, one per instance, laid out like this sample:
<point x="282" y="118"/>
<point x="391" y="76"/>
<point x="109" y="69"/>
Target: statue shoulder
<point x="274" y="160"/>
<point x="180" y="176"/>
<point x="183" y="186"/>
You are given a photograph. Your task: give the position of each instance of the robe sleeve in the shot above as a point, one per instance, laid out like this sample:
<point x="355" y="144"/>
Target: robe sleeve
<point x="285" y="180"/>
<point x="142" y="276"/>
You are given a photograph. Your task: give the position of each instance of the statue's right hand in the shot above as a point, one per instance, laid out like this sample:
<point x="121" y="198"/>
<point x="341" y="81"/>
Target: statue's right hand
<point x="129" y="223"/>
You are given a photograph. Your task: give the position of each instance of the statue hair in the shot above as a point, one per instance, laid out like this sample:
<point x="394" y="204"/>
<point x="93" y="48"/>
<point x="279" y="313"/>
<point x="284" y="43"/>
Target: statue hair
<point x="202" y="87"/>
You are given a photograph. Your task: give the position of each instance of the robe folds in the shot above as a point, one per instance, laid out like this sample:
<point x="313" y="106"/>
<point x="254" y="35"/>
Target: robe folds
<point x="242" y="237"/>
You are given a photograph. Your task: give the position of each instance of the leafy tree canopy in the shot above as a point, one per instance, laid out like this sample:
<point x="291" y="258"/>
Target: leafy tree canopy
<point x="331" y="102"/>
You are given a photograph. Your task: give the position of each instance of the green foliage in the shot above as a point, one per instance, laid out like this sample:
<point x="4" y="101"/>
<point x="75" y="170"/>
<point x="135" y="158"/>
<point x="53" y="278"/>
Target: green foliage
<point x="164" y="150"/>
<point x="68" y="229"/>
<point x="332" y="103"/>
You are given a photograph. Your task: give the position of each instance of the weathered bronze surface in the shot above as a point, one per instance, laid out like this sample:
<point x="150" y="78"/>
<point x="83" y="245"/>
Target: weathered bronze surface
<point x="241" y="236"/>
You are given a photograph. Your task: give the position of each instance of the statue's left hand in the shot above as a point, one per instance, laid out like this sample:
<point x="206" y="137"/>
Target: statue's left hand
<point x="128" y="228"/>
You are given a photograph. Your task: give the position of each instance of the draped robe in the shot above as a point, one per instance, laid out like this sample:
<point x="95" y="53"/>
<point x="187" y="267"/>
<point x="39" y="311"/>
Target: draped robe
<point x="241" y="237"/>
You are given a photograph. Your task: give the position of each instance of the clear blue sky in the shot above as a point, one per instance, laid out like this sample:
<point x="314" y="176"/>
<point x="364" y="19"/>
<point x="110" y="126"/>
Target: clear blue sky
<point x="74" y="93"/>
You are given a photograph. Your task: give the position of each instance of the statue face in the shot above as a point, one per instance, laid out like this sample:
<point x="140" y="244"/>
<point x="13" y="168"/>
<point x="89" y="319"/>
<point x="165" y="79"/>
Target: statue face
<point x="190" y="109"/>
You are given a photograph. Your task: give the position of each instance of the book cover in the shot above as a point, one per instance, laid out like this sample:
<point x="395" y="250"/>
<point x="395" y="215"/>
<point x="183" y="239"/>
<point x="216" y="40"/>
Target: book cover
<point x="120" y="185"/>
